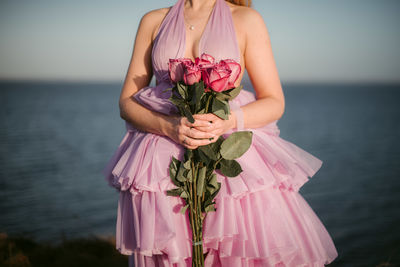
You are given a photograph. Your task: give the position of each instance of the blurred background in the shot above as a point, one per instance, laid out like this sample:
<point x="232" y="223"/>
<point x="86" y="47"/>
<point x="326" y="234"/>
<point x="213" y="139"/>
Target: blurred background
<point x="62" y="65"/>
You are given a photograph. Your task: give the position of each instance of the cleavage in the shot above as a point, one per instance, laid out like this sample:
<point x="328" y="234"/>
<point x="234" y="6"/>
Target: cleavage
<point x="193" y="48"/>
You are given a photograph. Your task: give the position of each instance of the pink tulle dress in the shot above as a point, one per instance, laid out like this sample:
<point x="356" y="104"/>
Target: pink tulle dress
<point x="261" y="219"/>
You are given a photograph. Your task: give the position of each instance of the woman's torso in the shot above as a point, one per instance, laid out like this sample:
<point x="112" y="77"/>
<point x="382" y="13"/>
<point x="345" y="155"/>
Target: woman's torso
<point x="219" y="39"/>
<point x="222" y="33"/>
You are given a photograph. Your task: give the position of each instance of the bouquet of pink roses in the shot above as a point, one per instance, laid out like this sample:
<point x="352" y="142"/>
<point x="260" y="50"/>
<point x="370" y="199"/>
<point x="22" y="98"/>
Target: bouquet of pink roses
<point x="200" y="87"/>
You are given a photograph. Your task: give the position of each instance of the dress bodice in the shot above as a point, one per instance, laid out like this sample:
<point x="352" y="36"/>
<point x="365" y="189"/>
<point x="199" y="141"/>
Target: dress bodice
<point x="218" y="38"/>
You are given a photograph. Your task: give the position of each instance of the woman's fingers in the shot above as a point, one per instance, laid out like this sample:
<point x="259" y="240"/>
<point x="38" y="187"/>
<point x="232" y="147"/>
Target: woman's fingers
<point x="196" y="123"/>
<point x="197" y="134"/>
<point x="205" y="130"/>
<point x="191" y="137"/>
<point x="186" y="134"/>
<point x="201" y="120"/>
<point x="206" y="117"/>
<point x="190" y="142"/>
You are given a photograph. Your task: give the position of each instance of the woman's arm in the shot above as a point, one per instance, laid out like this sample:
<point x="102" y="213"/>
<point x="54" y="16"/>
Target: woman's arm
<point x="260" y="65"/>
<point x="138" y="76"/>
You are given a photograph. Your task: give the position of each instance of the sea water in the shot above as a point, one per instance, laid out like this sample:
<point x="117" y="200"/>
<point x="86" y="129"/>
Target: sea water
<point x="55" y="138"/>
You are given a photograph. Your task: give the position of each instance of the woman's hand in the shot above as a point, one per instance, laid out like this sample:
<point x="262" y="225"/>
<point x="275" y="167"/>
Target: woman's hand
<point x="216" y="125"/>
<point x="191" y="135"/>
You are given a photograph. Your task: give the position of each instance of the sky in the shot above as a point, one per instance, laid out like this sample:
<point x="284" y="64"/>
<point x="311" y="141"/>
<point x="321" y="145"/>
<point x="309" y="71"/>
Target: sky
<point x="87" y="40"/>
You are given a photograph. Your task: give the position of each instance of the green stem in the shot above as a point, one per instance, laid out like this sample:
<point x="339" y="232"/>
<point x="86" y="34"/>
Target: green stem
<point x="197" y="225"/>
<point x="216" y="163"/>
<point x="196" y="258"/>
<point x="200" y="232"/>
<point x="194" y="197"/>
<point x="201" y="247"/>
<point x="208" y="103"/>
<point x="191" y="211"/>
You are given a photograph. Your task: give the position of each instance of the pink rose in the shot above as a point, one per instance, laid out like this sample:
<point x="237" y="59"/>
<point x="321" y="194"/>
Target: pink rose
<point x="205" y="61"/>
<point x="176" y="68"/>
<point x="217" y="77"/>
<point x="235" y="68"/>
<point x="192" y="73"/>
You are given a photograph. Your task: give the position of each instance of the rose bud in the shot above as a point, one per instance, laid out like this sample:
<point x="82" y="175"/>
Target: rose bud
<point x="176" y="68"/>
<point x="207" y="57"/>
<point x="192" y="73"/>
<point x="205" y="61"/>
<point x="235" y="68"/>
<point x="217" y="77"/>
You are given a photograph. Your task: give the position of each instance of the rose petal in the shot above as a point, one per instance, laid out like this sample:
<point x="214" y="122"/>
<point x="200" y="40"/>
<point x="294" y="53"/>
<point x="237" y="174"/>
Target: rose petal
<point x="220" y="84"/>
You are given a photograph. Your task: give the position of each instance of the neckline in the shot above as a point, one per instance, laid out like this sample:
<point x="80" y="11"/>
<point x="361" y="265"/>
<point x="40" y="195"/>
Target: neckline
<point x="199" y="50"/>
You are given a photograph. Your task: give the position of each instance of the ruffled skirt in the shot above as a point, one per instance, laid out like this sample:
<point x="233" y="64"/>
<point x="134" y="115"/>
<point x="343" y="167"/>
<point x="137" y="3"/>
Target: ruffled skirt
<point x="261" y="219"/>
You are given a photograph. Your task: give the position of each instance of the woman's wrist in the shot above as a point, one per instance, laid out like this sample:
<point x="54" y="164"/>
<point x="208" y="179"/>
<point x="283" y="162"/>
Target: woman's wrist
<point x="168" y="124"/>
<point x="233" y="120"/>
<point x="238" y="115"/>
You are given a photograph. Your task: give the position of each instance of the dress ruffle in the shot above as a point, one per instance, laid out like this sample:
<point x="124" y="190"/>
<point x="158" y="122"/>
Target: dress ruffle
<point x="261" y="219"/>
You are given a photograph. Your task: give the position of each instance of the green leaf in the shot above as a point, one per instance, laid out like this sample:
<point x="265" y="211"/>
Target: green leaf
<point x="200" y="156"/>
<point x="209" y="151"/>
<point x="180" y="176"/>
<point x="184" y="208"/>
<point x="188" y="114"/>
<point x="214" y="194"/>
<point x="173" y="166"/>
<point x="173" y="169"/>
<point x="236" y="144"/>
<point x="200" y="180"/>
<point x="230" y="168"/>
<point x="222" y="96"/>
<point x="168" y="89"/>
<point x="181" y="112"/>
<point x="213" y="185"/>
<point x="203" y="103"/>
<point x="188" y="154"/>
<point x="227" y="108"/>
<point x="216" y="146"/>
<point x="189" y="175"/>
<point x="229" y="94"/>
<point x="187" y="164"/>
<point x="221" y="113"/>
<point x="219" y="108"/>
<point x="201" y="111"/>
<point x="217" y="105"/>
<point x="176" y="101"/>
<point x="182" y="90"/>
<point x="174" y="192"/>
<point x="234" y="92"/>
<point x="213" y="181"/>
<point x="184" y="194"/>
<point x="210" y="208"/>
<point x="209" y="197"/>
<point x="198" y="91"/>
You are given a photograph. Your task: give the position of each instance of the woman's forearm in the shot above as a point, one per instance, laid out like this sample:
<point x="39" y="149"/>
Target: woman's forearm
<point x="262" y="112"/>
<point x="145" y="119"/>
<point x="255" y="114"/>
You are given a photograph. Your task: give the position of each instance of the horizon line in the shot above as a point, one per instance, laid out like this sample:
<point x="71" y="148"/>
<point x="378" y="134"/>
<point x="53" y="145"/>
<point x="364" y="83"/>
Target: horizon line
<point x="283" y="82"/>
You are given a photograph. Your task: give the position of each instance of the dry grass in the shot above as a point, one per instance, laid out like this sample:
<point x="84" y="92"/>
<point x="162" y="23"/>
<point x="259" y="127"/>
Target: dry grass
<point x="20" y="251"/>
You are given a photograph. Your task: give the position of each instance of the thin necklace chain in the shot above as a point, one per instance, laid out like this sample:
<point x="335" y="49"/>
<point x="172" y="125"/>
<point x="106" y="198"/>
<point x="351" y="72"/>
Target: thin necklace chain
<point x="192" y="26"/>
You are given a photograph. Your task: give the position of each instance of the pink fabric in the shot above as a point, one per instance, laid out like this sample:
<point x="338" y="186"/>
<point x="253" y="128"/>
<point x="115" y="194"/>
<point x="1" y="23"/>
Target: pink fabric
<point x="261" y="219"/>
